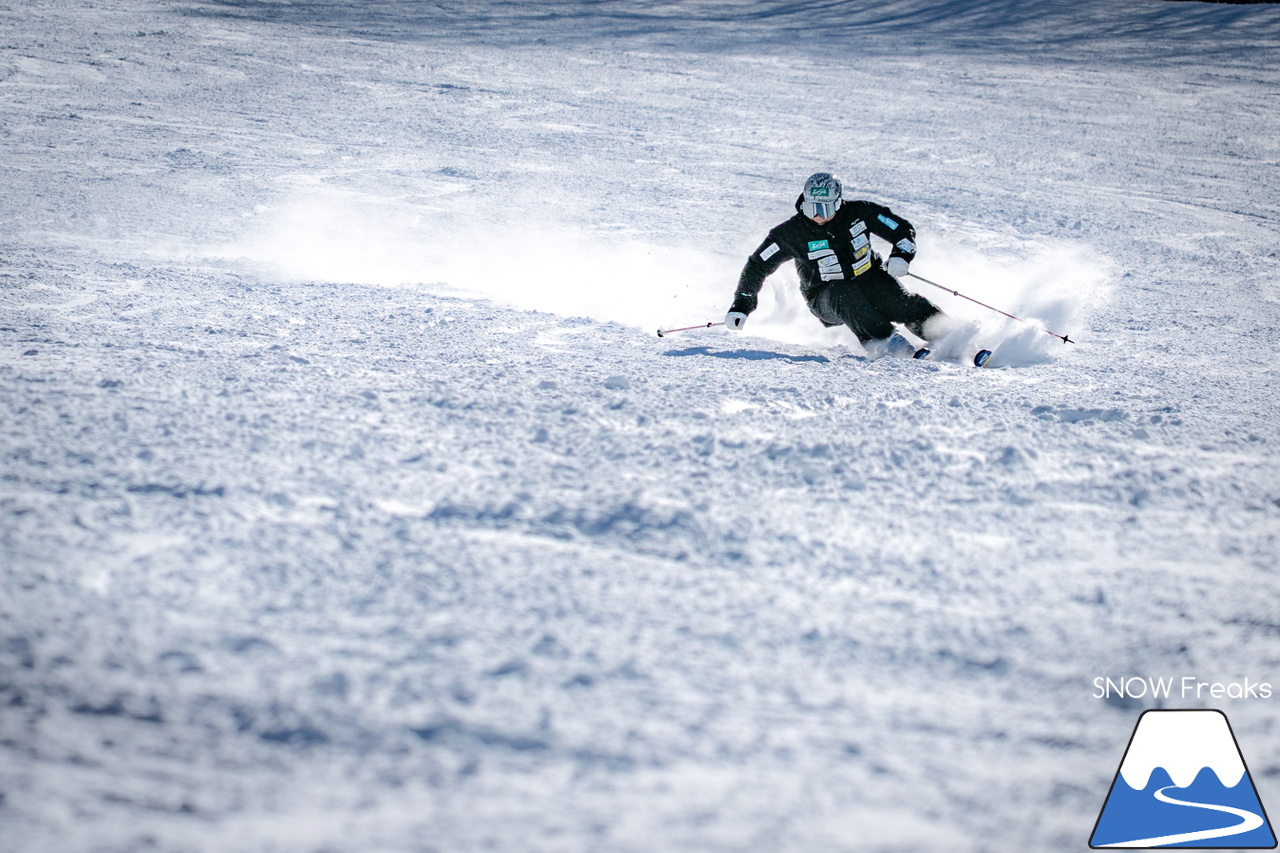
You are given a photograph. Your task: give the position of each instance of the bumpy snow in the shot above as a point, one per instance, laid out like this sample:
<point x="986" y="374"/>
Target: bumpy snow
<point x="349" y="501"/>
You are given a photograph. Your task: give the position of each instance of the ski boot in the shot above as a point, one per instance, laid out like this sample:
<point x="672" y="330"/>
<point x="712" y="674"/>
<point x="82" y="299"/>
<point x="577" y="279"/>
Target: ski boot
<point x="899" y="347"/>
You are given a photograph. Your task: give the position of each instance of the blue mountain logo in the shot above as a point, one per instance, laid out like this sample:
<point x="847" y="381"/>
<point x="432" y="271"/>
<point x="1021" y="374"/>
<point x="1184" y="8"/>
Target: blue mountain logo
<point x="1183" y="783"/>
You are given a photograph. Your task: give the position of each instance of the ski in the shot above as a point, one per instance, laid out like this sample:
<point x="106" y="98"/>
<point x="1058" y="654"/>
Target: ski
<point x="979" y="360"/>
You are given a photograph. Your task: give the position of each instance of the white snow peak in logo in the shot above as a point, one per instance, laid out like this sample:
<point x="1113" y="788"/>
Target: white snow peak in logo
<point x="1183" y="783"/>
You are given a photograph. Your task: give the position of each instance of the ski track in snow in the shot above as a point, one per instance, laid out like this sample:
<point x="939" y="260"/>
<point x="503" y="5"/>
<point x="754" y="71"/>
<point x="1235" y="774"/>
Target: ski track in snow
<point x="349" y="503"/>
<point x="1248" y="822"/>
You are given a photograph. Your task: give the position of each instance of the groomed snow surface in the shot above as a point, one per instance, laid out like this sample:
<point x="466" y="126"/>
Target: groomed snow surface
<point x="349" y="503"/>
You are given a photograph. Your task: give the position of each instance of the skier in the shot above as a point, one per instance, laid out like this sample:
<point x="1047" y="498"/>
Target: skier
<point x="842" y="279"/>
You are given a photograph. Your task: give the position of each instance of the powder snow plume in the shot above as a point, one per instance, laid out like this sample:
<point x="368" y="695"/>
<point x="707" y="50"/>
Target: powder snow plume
<point x="553" y="266"/>
<point x="1052" y="287"/>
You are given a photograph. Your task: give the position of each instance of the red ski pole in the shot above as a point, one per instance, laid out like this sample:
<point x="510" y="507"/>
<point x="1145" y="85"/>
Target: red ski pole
<point x="1063" y="338"/>
<point x="664" y="332"/>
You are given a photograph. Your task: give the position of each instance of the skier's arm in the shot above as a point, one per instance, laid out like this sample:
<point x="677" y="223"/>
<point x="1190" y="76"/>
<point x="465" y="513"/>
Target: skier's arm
<point x="763" y="262"/>
<point x="898" y="231"/>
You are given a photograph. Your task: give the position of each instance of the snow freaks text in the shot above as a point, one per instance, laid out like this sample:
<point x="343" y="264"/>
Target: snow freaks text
<point x="1186" y="687"/>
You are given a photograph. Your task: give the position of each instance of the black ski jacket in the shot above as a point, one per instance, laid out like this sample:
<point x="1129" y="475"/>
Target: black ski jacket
<point x="840" y="250"/>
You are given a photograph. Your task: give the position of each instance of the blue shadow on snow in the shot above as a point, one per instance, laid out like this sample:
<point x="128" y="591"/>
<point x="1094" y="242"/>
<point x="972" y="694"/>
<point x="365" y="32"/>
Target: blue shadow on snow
<point x="748" y="354"/>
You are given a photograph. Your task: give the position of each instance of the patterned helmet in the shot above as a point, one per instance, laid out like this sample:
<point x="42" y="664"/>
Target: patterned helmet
<point x="821" y="196"/>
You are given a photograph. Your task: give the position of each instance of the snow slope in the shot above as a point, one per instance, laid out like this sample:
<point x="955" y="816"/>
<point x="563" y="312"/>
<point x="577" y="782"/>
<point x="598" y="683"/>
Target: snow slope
<point x="349" y="502"/>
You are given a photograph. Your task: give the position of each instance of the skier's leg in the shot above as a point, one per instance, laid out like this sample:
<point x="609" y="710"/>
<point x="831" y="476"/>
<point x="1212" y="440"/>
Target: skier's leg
<point x="946" y="336"/>
<point x="842" y="303"/>
<point x="886" y="296"/>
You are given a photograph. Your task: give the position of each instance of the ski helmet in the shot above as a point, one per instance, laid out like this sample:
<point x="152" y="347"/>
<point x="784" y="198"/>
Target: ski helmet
<point x="822" y="196"/>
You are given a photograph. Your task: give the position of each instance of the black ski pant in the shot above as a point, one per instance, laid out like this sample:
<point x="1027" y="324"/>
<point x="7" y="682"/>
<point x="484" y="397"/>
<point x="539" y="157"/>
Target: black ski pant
<point x="870" y="304"/>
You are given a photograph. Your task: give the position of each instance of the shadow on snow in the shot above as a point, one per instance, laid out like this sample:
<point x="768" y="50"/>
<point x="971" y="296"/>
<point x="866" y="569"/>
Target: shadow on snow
<point x="748" y="354"/>
<point x="781" y="26"/>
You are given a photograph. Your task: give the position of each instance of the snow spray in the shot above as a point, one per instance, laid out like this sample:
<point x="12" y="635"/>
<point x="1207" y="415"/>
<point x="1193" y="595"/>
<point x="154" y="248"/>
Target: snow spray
<point x="1063" y="338"/>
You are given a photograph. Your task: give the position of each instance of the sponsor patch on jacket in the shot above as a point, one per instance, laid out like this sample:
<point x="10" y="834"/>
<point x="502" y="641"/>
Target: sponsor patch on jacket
<point x="858" y="227"/>
<point x="829" y="267"/>
<point x="769" y="252"/>
<point x="821" y="253"/>
<point x="819" y="244"/>
<point x="906" y="245"/>
<point x="893" y="225"/>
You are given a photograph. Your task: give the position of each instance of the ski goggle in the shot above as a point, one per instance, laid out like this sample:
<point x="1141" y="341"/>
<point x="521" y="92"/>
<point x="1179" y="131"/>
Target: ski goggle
<point x="819" y="209"/>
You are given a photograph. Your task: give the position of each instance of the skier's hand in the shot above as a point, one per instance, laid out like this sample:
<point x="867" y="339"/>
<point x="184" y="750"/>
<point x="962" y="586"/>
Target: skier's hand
<point x="735" y="320"/>
<point x="897" y="267"/>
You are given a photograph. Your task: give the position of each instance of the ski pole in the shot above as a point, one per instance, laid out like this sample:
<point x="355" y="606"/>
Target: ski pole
<point x="1063" y="338"/>
<point x="664" y="332"/>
